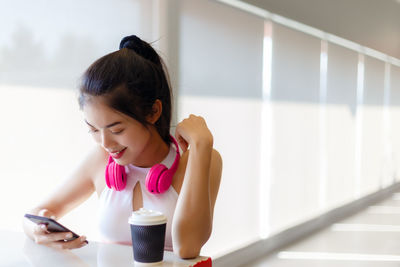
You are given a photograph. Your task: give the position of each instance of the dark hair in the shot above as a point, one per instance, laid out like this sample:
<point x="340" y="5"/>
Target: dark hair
<point x="131" y="80"/>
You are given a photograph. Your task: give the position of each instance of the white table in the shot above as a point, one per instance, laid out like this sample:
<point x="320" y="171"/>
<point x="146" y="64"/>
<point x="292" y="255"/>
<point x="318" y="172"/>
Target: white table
<point x="18" y="250"/>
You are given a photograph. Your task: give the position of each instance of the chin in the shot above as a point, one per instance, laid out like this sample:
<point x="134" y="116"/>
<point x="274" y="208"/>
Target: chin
<point x="121" y="162"/>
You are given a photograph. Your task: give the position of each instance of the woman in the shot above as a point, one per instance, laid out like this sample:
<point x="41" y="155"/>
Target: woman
<point x="126" y="101"/>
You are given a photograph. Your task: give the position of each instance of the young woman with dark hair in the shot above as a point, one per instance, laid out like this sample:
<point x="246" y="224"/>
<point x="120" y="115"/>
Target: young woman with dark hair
<point x="125" y="97"/>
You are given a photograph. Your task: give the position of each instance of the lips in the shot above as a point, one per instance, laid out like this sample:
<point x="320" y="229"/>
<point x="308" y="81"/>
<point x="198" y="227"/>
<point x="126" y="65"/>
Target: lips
<point x="117" y="154"/>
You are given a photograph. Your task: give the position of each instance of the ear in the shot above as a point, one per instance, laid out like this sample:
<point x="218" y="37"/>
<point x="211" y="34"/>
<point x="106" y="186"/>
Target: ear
<point x="156" y="112"/>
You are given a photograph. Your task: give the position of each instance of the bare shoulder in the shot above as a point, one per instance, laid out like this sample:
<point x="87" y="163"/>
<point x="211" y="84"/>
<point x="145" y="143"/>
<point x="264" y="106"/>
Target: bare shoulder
<point x="94" y="166"/>
<point x="91" y="167"/>
<point x="96" y="158"/>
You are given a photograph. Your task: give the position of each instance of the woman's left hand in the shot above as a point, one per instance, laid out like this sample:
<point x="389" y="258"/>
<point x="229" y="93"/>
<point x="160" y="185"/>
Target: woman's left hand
<point x="193" y="131"/>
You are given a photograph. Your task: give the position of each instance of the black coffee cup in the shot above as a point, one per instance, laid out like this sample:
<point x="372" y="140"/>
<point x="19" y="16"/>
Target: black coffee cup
<point x="148" y="236"/>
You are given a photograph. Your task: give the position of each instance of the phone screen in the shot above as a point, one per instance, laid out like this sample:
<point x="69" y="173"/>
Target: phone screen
<point x="52" y="225"/>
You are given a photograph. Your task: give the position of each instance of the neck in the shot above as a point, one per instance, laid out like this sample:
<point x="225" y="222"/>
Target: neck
<point x="156" y="150"/>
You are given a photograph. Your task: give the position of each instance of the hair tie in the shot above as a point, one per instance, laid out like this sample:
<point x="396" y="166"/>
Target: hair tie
<point x="140" y="47"/>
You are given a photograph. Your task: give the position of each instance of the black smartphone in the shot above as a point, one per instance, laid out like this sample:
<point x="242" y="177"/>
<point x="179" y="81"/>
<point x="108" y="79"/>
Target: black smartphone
<point x="52" y="225"/>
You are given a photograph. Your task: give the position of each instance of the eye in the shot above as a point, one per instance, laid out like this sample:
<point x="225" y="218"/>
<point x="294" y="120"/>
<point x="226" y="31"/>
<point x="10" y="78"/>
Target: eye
<point x="117" y="131"/>
<point x="93" y="130"/>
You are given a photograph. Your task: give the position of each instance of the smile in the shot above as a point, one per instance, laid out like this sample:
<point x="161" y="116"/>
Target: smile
<point x="117" y="155"/>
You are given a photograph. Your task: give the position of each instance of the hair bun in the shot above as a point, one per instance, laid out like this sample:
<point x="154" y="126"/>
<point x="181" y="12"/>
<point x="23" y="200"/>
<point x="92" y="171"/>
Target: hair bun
<point x="130" y="42"/>
<point x="140" y="47"/>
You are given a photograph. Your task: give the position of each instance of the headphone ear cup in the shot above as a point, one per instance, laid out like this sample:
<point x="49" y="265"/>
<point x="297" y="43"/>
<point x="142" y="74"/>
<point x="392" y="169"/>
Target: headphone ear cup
<point x="115" y="176"/>
<point x="119" y="177"/>
<point x="153" y="178"/>
<point x="165" y="180"/>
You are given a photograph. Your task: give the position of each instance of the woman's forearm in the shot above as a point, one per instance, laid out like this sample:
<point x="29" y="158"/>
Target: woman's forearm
<point x="193" y="215"/>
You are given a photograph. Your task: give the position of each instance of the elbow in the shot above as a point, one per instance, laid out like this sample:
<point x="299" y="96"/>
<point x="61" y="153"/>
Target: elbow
<point x="187" y="252"/>
<point x="190" y="248"/>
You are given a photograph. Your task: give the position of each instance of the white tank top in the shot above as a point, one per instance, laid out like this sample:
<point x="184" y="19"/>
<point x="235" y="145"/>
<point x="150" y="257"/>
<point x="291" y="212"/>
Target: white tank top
<point x="115" y="207"/>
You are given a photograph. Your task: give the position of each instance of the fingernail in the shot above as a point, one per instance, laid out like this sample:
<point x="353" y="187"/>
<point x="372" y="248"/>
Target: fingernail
<point x="69" y="235"/>
<point x="53" y="217"/>
<point x="43" y="226"/>
<point x="83" y="238"/>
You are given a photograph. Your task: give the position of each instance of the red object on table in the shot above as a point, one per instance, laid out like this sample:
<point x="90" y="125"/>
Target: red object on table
<point x="205" y="263"/>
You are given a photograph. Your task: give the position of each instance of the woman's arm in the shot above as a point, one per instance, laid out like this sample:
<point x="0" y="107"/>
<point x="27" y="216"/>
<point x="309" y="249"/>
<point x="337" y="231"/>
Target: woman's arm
<point x="193" y="216"/>
<point x="75" y="190"/>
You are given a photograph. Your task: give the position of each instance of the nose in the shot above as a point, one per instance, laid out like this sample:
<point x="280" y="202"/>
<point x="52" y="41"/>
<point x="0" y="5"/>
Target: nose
<point x="106" y="140"/>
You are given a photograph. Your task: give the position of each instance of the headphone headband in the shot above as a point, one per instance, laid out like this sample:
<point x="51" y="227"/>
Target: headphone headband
<point x="174" y="166"/>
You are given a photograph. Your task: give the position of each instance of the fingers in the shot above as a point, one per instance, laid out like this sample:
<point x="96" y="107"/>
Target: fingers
<point x="43" y="238"/>
<point x="181" y="142"/>
<point x="46" y="213"/>
<point x="182" y="133"/>
<point x="57" y="240"/>
<point x="77" y="243"/>
<point x="193" y="131"/>
<point x="40" y="229"/>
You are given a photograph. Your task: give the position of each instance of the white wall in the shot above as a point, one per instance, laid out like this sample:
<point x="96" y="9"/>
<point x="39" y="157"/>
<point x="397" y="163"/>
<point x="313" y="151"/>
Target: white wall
<point x="44" y="137"/>
<point x="321" y="111"/>
<point x="44" y="48"/>
<point x="220" y="70"/>
<point x="341" y="101"/>
<point x="373" y="143"/>
<point x="294" y="127"/>
<point x="395" y="118"/>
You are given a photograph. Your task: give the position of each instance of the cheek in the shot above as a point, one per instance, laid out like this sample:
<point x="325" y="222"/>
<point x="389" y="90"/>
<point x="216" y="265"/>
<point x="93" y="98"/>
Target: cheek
<point x="136" y="138"/>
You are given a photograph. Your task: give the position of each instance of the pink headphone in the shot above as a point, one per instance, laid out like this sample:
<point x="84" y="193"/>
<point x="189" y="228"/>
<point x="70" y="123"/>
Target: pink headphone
<point x="158" y="179"/>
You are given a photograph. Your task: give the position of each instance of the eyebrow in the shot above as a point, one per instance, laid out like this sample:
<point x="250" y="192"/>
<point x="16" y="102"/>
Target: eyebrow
<point x="107" y="126"/>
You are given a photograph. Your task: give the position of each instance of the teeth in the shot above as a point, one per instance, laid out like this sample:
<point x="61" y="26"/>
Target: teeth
<point x="118" y="152"/>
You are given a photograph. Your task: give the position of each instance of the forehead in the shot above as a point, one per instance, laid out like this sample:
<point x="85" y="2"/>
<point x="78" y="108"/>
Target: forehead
<point x="99" y="114"/>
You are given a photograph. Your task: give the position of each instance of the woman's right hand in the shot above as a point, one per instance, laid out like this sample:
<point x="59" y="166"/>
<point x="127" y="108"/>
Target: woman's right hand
<point x="42" y="236"/>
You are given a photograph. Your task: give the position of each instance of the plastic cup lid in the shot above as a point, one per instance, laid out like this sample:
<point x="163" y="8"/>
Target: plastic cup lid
<point x="147" y="217"/>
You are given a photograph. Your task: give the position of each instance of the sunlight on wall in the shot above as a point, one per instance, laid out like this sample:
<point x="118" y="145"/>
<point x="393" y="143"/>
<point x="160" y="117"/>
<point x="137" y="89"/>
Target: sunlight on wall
<point x="44" y="138"/>
<point x="45" y="46"/>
